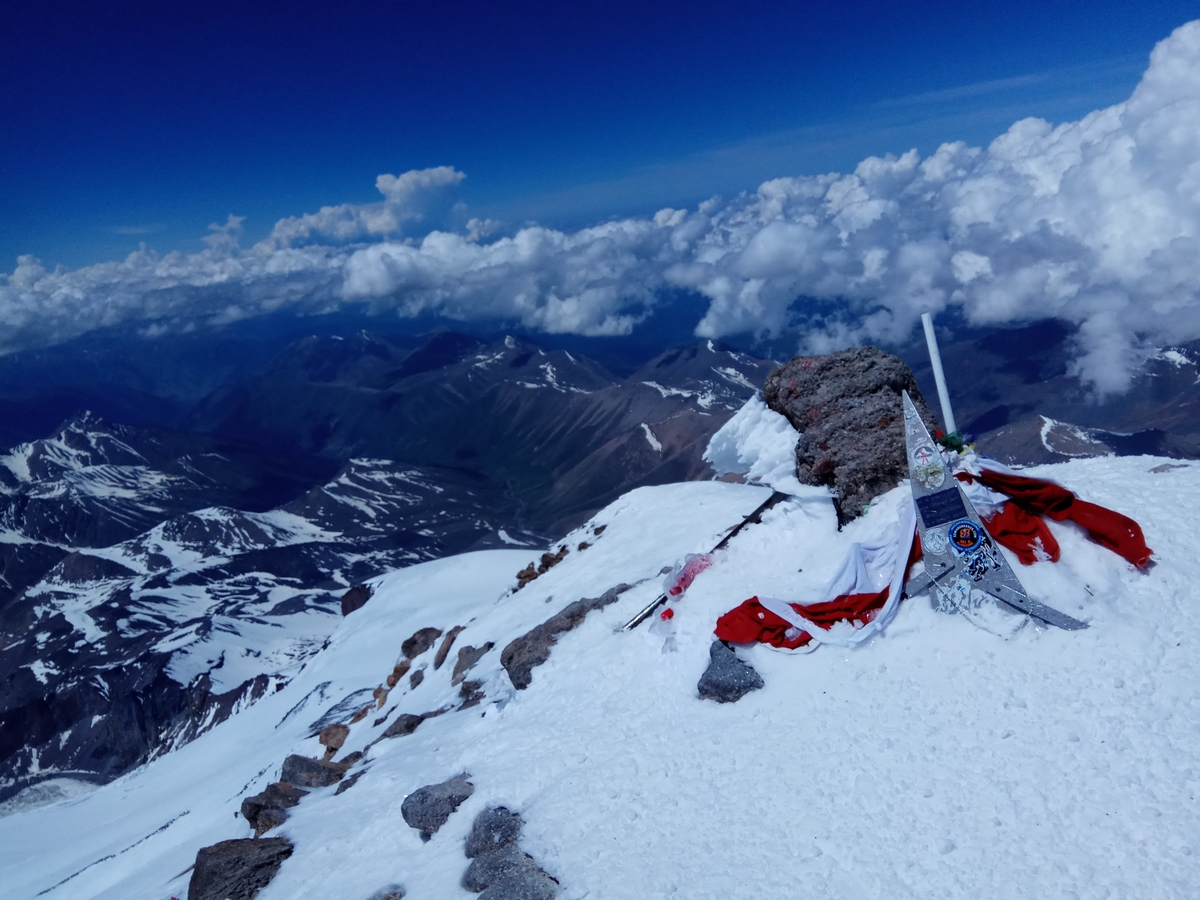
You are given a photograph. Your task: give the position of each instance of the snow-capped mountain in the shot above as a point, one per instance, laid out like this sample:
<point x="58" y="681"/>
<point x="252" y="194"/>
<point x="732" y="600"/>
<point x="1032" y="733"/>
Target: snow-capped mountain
<point x="936" y="759"/>
<point x="120" y="653"/>
<point x="94" y="483"/>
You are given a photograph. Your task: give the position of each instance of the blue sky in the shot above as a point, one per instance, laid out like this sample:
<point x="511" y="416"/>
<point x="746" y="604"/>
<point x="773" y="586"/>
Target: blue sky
<point x="146" y="122"/>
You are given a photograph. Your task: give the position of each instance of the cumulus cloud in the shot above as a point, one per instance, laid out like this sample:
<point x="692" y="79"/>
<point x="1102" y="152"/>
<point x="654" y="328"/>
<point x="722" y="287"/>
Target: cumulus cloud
<point x="423" y="199"/>
<point x="1096" y="222"/>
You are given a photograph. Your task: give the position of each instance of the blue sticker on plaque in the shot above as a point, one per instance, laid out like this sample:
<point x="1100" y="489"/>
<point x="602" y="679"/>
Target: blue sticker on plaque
<point x="965" y="536"/>
<point x="942" y="507"/>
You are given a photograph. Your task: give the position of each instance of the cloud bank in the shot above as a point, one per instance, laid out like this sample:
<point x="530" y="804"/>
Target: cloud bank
<point x="1096" y="222"/>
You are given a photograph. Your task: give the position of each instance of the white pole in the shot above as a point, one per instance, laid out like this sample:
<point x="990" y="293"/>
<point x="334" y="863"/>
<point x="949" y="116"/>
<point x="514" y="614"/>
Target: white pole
<point x="935" y="358"/>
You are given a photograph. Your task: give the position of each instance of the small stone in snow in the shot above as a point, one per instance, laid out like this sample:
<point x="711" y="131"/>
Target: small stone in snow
<point x="727" y="678"/>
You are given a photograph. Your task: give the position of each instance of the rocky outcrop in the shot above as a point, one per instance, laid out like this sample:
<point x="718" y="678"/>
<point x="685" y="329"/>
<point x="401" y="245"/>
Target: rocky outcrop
<point x="269" y="809"/>
<point x="532" y="649"/>
<point x="355" y="598"/>
<point x="547" y="562"/>
<point x="467" y="657"/>
<point x="447" y="643"/>
<point x="847" y="407"/>
<point x="307" y="772"/>
<point x="238" y="869"/>
<point x="727" y="678"/>
<point x="421" y="641"/>
<point x="427" y="809"/>
<point x="499" y="868"/>
<point x="495" y="828"/>
<point x="471" y="693"/>
<point x="405" y="724"/>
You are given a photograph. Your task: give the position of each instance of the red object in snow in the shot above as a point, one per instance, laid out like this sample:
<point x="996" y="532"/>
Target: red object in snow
<point x="1023" y="533"/>
<point x="683" y="576"/>
<point x="1118" y="533"/>
<point x="753" y="622"/>
<point x="667" y="614"/>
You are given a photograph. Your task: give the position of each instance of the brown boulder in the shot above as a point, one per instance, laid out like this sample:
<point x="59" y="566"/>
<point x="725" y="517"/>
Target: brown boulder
<point x="355" y="598"/>
<point x="444" y="650"/>
<point x="421" y="641"/>
<point x="847" y="407"/>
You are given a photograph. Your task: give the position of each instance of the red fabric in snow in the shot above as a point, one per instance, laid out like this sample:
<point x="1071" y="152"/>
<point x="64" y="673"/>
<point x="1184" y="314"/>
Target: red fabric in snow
<point x="1118" y="533"/>
<point x="1021" y="532"/>
<point x="754" y="622"/>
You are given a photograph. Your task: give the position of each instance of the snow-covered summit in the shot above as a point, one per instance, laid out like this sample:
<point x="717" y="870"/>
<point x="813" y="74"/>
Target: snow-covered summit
<point x="937" y="759"/>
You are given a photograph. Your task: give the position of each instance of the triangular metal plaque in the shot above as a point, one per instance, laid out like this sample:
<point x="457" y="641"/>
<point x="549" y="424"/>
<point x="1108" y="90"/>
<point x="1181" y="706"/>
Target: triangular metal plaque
<point x="965" y="568"/>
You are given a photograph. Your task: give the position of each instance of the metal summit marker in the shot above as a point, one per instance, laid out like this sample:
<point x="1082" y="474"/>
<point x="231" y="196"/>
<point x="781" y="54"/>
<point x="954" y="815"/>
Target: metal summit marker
<point x="965" y="569"/>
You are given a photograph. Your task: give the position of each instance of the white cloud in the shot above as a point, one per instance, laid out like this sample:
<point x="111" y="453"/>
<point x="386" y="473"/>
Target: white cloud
<point x="424" y="197"/>
<point x="1096" y="222"/>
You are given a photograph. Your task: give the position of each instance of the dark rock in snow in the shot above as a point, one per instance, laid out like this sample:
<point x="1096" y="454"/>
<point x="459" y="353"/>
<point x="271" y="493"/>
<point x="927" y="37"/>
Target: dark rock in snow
<point x="268" y="819"/>
<point x="727" y="679"/>
<point x="349" y="782"/>
<point x="307" y="772"/>
<point x="471" y="694"/>
<point x="237" y="870"/>
<point x="428" y="808"/>
<point x="522" y="886"/>
<point x="421" y="641"/>
<point x="508" y="874"/>
<point x="447" y="642"/>
<point x="405" y="724"/>
<point x="848" y="410"/>
<point x="467" y="657"/>
<point x="355" y="598"/>
<point x="391" y="892"/>
<point x="416" y="678"/>
<point x="495" y="828"/>
<point x="266" y="810"/>
<point x="532" y="649"/>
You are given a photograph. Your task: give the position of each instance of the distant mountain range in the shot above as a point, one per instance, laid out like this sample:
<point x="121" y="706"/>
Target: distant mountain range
<point x="156" y="581"/>
<point x="1013" y="390"/>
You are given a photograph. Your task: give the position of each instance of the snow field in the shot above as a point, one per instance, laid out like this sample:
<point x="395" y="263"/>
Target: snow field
<point x="935" y="760"/>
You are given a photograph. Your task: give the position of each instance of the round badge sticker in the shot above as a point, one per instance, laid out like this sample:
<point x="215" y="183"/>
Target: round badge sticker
<point x="930" y="477"/>
<point x="934" y="542"/>
<point x="922" y="455"/>
<point x="965" y="535"/>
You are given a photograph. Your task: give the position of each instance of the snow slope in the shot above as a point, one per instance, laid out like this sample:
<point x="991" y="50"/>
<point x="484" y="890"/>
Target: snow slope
<point x="935" y="760"/>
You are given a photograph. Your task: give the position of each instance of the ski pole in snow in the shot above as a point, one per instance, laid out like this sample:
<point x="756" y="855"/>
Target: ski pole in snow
<point x="753" y="518"/>
<point x="935" y="359"/>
